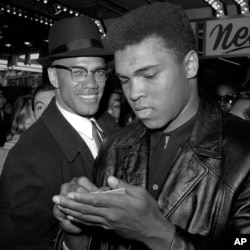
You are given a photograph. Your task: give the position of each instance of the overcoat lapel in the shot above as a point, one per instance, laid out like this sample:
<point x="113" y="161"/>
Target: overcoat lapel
<point x="67" y="138"/>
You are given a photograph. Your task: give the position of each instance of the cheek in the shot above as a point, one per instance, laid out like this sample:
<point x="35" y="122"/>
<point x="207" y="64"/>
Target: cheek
<point x="67" y="91"/>
<point x="101" y="87"/>
<point x="125" y="89"/>
<point x="40" y="111"/>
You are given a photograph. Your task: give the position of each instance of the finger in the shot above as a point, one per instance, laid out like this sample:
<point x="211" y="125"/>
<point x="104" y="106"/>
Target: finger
<point x="91" y="220"/>
<point x="65" y="204"/>
<point x="115" y="183"/>
<point x="71" y="187"/>
<point x="100" y="199"/>
<point x="86" y="183"/>
<point x="58" y="213"/>
<point x="81" y="184"/>
<point x="82" y="213"/>
<point x="92" y="204"/>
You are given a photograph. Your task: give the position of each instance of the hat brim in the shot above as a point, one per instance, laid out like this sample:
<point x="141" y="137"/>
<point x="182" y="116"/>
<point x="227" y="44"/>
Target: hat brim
<point x="88" y="52"/>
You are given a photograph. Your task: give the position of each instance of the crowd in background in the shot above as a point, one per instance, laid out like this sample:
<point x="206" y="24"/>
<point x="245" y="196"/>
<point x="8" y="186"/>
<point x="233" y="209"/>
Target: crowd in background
<point x="20" y="115"/>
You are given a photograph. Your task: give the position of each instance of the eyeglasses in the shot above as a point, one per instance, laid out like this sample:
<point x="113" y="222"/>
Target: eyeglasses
<point x="79" y="74"/>
<point x="229" y="99"/>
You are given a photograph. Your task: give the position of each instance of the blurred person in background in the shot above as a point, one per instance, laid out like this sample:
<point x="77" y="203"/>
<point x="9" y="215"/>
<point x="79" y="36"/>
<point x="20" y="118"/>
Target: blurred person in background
<point x="22" y="119"/>
<point x="114" y="106"/>
<point x="108" y="114"/>
<point x="42" y="96"/>
<point x="226" y="94"/>
<point x="8" y="107"/>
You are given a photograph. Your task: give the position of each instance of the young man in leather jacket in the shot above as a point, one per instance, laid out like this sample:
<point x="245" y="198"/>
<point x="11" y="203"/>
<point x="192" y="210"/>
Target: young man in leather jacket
<point x="180" y="178"/>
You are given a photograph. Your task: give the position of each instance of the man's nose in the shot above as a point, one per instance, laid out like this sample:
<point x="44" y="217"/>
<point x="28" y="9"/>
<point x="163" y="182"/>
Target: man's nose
<point x="89" y="81"/>
<point x="136" y="90"/>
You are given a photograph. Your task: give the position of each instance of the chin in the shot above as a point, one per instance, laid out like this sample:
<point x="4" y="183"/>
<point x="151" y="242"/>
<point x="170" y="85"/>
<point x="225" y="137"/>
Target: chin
<point x="88" y="112"/>
<point x="153" y="124"/>
<point x="150" y="124"/>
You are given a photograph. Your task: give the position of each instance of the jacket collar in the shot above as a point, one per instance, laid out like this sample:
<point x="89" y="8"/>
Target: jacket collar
<point x="206" y="137"/>
<point x="130" y="137"/>
<point x="65" y="135"/>
<point x="209" y="118"/>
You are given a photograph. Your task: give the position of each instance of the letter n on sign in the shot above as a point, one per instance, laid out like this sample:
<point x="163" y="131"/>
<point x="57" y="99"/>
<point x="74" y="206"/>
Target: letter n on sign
<point x="229" y="37"/>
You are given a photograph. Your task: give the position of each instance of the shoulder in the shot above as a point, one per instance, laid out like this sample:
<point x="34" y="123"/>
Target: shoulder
<point x="236" y="149"/>
<point x="36" y="140"/>
<point x="126" y="134"/>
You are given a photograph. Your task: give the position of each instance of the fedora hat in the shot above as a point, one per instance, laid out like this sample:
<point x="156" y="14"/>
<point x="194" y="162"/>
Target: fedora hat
<point x="74" y="37"/>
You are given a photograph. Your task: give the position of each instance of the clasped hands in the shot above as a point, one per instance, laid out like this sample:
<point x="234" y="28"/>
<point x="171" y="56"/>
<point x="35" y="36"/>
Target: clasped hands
<point x="132" y="215"/>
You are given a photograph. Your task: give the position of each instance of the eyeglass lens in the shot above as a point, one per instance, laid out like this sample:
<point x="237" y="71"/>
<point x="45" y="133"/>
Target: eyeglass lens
<point x="80" y="74"/>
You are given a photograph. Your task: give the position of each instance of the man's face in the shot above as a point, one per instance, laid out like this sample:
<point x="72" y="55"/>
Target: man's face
<point x="114" y="106"/>
<point x="226" y="96"/>
<point x="155" y="84"/>
<point x="83" y="97"/>
<point x="41" y="101"/>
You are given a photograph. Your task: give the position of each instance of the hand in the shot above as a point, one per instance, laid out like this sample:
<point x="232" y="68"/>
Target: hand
<point x="134" y="215"/>
<point x="82" y="185"/>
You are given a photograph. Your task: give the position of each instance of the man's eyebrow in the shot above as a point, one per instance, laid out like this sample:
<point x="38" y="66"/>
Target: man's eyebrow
<point x="38" y="102"/>
<point x="146" y="68"/>
<point x="141" y="70"/>
<point x="86" y="67"/>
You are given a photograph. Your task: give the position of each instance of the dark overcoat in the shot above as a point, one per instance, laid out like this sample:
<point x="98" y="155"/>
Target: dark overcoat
<point x="47" y="155"/>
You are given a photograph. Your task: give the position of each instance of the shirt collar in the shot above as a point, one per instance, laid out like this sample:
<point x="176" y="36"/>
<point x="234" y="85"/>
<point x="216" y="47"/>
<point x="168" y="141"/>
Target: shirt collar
<point x="180" y="134"/>
<point x="79" y="123"/>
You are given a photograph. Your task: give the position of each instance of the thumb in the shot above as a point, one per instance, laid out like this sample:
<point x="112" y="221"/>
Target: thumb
<point x="115" y="183"/>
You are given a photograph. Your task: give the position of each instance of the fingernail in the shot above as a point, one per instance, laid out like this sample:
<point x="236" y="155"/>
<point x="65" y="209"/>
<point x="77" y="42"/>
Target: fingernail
<point x="70" y="217"/>
<point x="71" y="196"/>
<point x="56" y="199"/>
<point x="113" y="180"/>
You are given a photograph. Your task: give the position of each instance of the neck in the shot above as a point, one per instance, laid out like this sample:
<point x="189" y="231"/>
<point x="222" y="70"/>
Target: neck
<point x="187" y="113"/>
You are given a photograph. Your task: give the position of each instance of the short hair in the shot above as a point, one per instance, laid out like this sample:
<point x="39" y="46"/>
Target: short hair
<point x="164" y="20"/>
<point x="41" y="88"/>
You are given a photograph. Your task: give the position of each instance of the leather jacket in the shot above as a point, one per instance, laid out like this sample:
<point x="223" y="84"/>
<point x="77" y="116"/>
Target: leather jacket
<point x="207" y="192"/>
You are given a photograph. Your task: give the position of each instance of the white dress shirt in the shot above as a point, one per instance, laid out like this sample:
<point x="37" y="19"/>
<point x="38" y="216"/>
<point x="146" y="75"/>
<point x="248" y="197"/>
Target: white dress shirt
<point x="83" y="126"/>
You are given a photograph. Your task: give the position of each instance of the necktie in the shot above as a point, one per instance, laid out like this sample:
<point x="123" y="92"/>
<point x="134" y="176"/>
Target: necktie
<point x="96" y="134"/>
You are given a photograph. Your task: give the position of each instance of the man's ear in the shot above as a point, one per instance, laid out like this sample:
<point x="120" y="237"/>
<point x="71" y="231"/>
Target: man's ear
<point x="53" y="77"/>
<point x="192" y="64"/>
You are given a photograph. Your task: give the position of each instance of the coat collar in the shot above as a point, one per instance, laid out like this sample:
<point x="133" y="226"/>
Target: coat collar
<point x="65" y="135"/>
<point x="206" y="137"/>
<point x="209" y="118"/>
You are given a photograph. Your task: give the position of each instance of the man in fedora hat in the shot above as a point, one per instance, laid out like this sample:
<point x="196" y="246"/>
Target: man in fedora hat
<point x="62" y="143"/>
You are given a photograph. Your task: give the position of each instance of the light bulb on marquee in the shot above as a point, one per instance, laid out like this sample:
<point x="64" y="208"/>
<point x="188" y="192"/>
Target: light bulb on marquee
<point x="217" y="6"/>
<point x="244" y="6"/>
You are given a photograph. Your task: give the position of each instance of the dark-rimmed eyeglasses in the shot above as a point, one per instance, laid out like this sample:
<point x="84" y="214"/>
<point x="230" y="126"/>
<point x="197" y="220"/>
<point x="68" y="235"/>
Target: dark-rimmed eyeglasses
<point x="79" y="74"/>
<point x="227" y="99"/>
